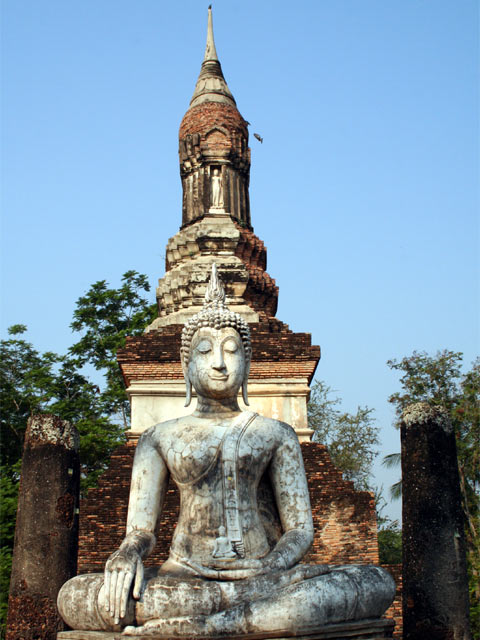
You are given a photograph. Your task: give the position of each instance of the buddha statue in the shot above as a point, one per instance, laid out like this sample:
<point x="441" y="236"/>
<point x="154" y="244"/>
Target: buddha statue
<point x="245" y="521"/>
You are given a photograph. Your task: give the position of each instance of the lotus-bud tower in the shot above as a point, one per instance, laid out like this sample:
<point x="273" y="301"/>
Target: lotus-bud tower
<point x="216" y="227"/>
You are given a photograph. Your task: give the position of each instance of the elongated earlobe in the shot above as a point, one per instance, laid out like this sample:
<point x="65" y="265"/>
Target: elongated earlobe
<point x="245" y="392"/>
<point x="188" y="395"/>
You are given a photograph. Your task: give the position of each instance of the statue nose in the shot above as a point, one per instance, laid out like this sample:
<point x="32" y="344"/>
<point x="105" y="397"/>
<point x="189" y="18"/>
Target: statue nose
<point x="218" y="362"/>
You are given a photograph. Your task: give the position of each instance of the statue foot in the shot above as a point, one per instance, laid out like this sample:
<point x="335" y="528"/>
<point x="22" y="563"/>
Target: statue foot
<point x="184" y="626"/>
<point x="145" y="630"/>
<point x="134" y="631"/>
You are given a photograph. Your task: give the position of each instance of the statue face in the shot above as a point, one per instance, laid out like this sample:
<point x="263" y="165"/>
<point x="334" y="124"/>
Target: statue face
<point x="217" y="362"/>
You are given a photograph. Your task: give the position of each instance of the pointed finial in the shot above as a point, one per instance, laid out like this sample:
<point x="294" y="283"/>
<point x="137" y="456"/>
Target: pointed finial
<point x="210" y="51"/>
<point x="211" y="85"/>
<point x="215" y="293"/>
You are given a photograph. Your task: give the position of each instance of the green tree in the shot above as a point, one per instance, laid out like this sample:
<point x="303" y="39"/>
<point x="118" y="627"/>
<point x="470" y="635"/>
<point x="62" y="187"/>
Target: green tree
<point x="32" y="382"/>
<point x="105" y="317"/>
<point x="8" y="510"/>
<point x="352" y="441"/>
<point x="389" y="533"/>
<point x="351" y="438"/>
<point x="393" y="461"/>
<point x="439" y="380"/>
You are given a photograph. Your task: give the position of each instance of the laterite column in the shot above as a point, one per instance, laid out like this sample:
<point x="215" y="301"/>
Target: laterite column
<point x="435" y="584"/>
<point x="46" y="533"/>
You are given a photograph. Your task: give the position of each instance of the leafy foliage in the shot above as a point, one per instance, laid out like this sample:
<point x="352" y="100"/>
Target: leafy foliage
<point x="392" y="461"/>
<point x="34" y="383"/>
<point x="106" y="317"/>
<point x="8" y="510"/>
<point x="351" y="438"/>
<point x="439" y="380"/>
<point x="389" y="534"/>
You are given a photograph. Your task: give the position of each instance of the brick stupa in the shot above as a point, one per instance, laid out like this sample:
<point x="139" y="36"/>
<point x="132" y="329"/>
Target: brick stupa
<point x="216" y="227"/>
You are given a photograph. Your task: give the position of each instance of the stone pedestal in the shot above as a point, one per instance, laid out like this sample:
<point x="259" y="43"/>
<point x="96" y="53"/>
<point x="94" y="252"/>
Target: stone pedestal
<point x="378" y="629"/>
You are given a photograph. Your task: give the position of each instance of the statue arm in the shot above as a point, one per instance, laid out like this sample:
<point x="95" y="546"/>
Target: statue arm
<point x="147" y="492"/>
<point x="289" y="483"/>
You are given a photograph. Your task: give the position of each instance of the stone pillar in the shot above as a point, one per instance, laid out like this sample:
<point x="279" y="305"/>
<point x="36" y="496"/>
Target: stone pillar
<point x="46" y="533"/>
<point x="435" y="585"/>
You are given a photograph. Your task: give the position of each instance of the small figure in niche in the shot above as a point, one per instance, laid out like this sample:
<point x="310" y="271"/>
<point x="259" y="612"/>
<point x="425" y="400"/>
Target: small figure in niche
<point x="223" y="547"/>
<point x="217" y="190"/>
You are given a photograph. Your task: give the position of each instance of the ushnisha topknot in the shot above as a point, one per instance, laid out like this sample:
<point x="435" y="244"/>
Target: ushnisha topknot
<point x="216" y="315"/>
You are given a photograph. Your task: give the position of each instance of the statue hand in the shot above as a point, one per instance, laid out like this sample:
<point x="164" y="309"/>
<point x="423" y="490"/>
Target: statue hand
<point x="238" y="564"/>
<point x="245" y="568"/>
<point x="120" y="570"/>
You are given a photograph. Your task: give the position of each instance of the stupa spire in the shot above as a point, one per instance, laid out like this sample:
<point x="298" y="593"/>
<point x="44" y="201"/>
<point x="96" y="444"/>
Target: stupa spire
<point x="210" y="51"/>
<point x="211" y="85"/>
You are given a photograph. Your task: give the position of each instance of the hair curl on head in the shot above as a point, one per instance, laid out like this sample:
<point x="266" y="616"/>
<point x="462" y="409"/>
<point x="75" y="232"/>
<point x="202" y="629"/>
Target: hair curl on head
<point x="216" y="315"/>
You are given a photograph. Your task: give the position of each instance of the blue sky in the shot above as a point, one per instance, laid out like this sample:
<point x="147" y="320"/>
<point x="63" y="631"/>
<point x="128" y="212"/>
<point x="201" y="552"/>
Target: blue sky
<point x="364" y="190"/>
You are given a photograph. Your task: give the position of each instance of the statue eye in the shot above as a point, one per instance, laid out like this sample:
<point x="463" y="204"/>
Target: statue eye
<point x="204" y="346"/>
<point x="231" y="346"/>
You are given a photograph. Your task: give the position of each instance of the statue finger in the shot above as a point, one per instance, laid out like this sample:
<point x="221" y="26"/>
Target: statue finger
<point x="118" y="594"/>
<point x="106" y="589"/>
<point x="127" y="582"/>
<point x="112" y="590"/>
<point x="139" y="574"/>
<point x="240" y="574"/>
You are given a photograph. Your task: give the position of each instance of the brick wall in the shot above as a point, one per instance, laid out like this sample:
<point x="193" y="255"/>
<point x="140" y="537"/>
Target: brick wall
<point x="204" y="117"/>
<point x="344" y="519"/>
<point x="395" y="611"/>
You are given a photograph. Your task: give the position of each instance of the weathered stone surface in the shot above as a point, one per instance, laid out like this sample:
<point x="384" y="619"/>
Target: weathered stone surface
<point x="435" y="587"/>
<point x="241" y="259"/>
<point x="46" y="534"/>
<point x="245" y="520"/>
<point x="363" y="630"/>
<point x="344" y="519"/>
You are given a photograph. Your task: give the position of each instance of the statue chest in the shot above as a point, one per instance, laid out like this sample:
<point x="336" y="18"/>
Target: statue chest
<point x="198" y="457"/>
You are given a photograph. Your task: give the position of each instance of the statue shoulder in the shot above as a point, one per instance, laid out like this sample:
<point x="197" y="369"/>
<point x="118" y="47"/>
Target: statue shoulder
<point x="280" y="430"/>
<point x="160" y="431"/>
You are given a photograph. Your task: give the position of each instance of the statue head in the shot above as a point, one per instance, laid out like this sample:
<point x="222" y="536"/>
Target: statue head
<point x="216" y="348"/>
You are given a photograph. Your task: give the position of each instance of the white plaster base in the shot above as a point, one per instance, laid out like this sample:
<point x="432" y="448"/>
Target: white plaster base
<point x="160" y="400"/>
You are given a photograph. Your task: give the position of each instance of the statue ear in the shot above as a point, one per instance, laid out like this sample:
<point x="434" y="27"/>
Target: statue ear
<point x="188" y="385"/>
<point x="245" y="392"/>
<point x="188" y="395"/>
<point x="245" y="384"/>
